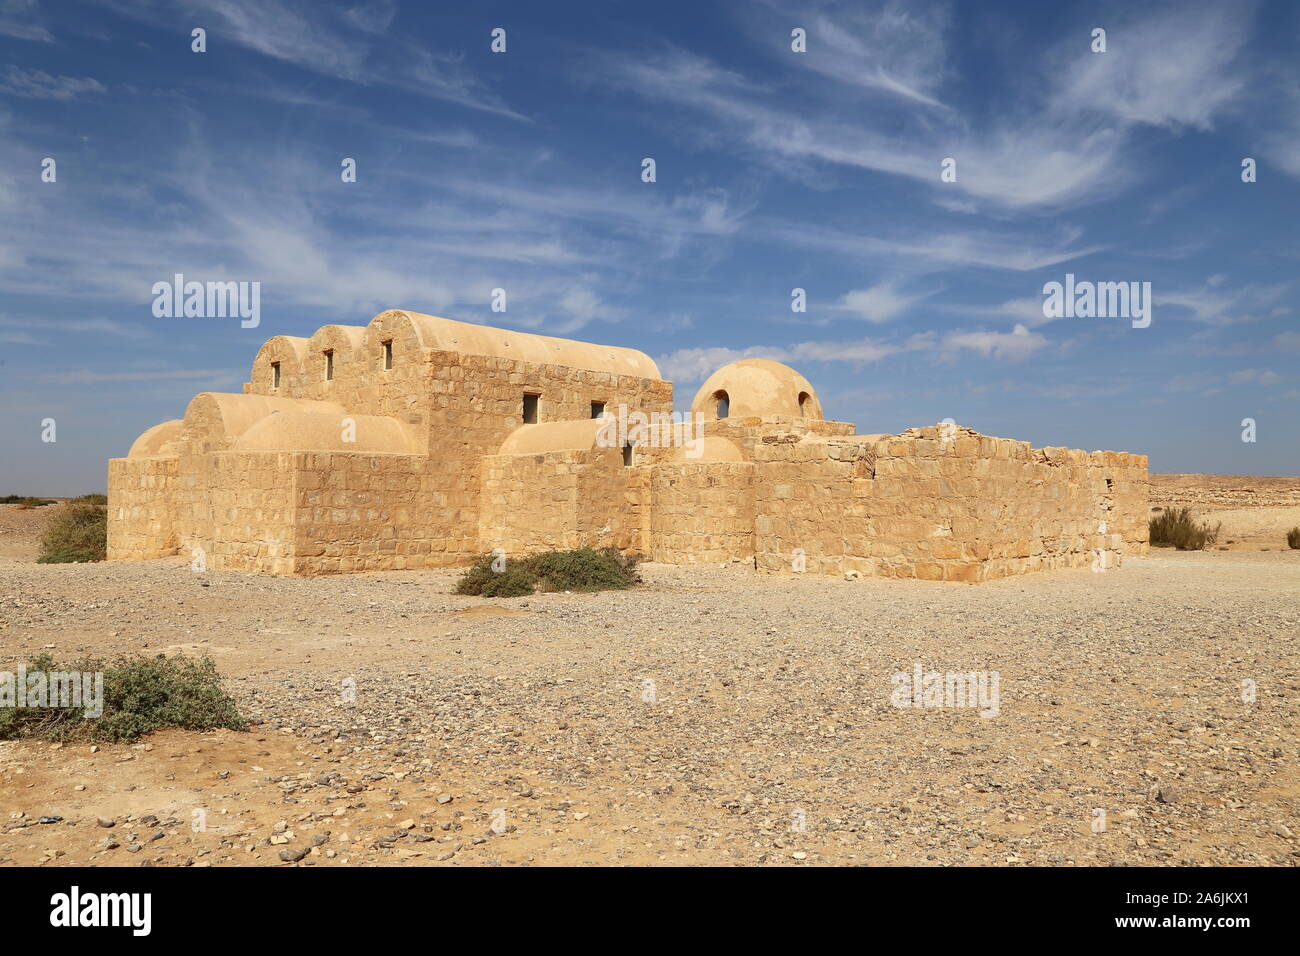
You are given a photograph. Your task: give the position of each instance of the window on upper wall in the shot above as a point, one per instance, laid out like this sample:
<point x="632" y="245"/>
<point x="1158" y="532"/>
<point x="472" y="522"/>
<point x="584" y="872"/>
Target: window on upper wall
<point x="724" y="404"/>
<point x="530" y="409"/>
<point x="597" y="409"/>
<point x="627" y="455"/>
<point x="275" y="374"/>
<point x="388" y="354"/>
<point x="803" y="403"/>
<point x="329" y="365"/>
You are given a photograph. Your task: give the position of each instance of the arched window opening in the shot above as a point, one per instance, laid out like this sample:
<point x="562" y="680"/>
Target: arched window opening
<point x="724" y="404"/>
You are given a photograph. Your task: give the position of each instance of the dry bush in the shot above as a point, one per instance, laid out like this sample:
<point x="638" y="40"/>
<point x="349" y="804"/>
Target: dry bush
<point x="1175" y="528"/>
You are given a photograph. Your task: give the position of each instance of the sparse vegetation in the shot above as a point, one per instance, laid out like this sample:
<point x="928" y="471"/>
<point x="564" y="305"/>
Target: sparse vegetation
<point x="77" y="532"/>
<point x="93" y="499"/>
<point x="140" y="695"/>
<point x="1293" y="538"/>
<point x="584" y="569"/>
<point x="1176" y="528"/>
<point x="26" y="504"/>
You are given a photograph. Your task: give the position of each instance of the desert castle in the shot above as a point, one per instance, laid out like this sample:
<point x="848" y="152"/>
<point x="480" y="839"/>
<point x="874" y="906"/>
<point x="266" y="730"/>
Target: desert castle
<point x="418" y="441"/>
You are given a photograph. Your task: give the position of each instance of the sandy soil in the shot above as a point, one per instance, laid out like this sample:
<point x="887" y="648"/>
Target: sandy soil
<point x="1255" y="513"/>
<point x="524" y="730"/>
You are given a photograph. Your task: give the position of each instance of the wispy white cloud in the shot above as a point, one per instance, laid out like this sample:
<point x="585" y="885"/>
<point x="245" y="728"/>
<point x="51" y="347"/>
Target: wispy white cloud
<point x="1215" y="303"/>
<point x="1067" y="146"/>
<point x="1174" y="68"/>
<point x="39" y="85"/>
<point x="19" y="19"/>
<point x="1014" y="346"/>
<point x="883" y="302"/>
<point x="351" y="44"/>
<point x="1254" y="376"/>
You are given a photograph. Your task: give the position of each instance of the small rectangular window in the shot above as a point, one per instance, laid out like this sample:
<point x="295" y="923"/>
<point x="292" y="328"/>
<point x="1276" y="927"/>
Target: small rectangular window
<point x="275" y="374"/>
<point x="597" y="409"/>
<point x="627" y="455"/>
<point x="388" y="354"/>
<point x="329" y="365"/>
<point x="530" y="409"/>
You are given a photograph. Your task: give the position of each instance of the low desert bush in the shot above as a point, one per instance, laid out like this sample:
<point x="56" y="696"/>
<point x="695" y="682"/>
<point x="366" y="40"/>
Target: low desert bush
<point x="26" y="504"/>
<point x="582" y="570"/>
<point x="141" y="694"/>
<point x="93" y="499"/>
<point x="1293" y="538"/>
<point x="77" y="532"/>
<point x="1175" y="528"/>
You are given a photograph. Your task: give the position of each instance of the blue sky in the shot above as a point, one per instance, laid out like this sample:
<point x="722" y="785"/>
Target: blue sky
<point x="775" y="170"/>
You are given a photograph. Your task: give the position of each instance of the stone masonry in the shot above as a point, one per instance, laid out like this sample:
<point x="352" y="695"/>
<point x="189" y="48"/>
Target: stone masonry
<point x="418" y="442"/>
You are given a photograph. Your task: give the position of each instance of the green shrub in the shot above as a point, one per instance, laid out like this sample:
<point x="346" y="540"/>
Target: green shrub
<point x="1176" y="528"/>
<point x="582" y="570"/>
<point x="93" y="499"/>
<point x="1293" y="538"/>
<point x="141" y="694"/>
<point x="26" y="504"/>
<point x="78" y="532"/>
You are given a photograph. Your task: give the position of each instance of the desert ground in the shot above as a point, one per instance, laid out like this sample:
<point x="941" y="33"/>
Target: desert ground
<point x="711" y="716"/>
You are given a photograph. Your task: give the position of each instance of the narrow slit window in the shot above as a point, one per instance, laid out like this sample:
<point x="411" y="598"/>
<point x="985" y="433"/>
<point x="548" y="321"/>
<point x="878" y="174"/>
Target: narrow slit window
<point x="329" y="365"/>
<point x="803" y="403"/>
<point x="597" y="409"/>
<point x="724" y="404"/>
<point x="388" y="354"/>
<point x="530" y="409"/>
<point x="627" y="455"/>
<point x="275" y="374"/>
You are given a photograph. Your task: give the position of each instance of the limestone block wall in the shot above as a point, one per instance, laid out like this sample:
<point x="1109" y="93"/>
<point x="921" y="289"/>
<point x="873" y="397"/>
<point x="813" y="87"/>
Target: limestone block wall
<point x="813" y="501"/>
<point x="142" y="510"/>
<point x="250" y="527"/>
<point x="558" y="500"/>
<point x="962" y="507"/>
<point x="748" y="432"/>
<point x="701" y="512"/>
<point x="478" y="402"/>
<point x="368" y="512"/>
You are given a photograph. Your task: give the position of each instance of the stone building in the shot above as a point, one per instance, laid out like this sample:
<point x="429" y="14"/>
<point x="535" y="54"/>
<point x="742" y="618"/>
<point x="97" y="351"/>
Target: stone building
<point x="418" y="442"/>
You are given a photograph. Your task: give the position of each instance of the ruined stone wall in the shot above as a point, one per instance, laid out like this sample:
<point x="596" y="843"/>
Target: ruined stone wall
<point x="748" y="432"/>
<point x="142" y="516"/>
<point x="963" y="507"/>
<point x="701" y="512"/>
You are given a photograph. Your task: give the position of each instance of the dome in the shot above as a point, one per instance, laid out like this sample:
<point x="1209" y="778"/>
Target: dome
<point x="756" y="388"/>
<point x="152" y="442"/>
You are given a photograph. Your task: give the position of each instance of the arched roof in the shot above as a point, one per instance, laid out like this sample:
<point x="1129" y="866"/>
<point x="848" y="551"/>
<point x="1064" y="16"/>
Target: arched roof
<point x="229" y="414"/>
<point x="320" y="431"/>
<point x="755" y="388"/>
<point x="715" y="449"/>
<point x="449" y="335"/>
<point x="579" y="435"/>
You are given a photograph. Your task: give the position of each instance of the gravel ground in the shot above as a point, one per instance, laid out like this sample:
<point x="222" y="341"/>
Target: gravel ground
<point x="711" y="716"/>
